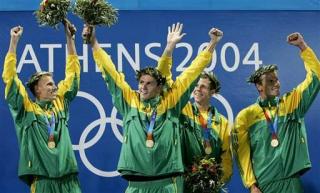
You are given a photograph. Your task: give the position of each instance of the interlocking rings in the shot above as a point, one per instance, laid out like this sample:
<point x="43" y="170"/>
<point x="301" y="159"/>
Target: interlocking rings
<point x="102" y="122"/>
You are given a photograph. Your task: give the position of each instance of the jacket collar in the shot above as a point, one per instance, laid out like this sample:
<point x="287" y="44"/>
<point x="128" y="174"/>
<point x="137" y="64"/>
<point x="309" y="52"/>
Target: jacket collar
<point x="44" y="104"/>
<point x="212" y="109"/>
<point x="270" y="102"/>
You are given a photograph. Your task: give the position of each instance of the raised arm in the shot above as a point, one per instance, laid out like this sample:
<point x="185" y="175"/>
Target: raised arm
<point x="215" y="36"/>
<point x="121" y="92"/>
<point x="165" y="62"/>
<point x="15" y="92"/>
<point x="174" y="36"/>
<point x="301" y="98"/>
<point x="185" y="83"/>
<point x="69" y="87"/>
<point x="296" y="39"/>
<point x="15" y="33"/>
<point x="70" y="31"/>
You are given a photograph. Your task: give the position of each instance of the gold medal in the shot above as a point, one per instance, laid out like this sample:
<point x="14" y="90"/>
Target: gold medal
<point x="149" y="143"/>
<point x="51" y="144"/>
<point x="208" y="150"/>
<point x="274" y="142"/>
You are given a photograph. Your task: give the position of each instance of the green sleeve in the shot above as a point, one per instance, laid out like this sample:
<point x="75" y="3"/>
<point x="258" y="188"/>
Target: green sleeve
<point x="123" y="97"/>
<point x="300" y="99"/>
<point x="164" y="66"/>
<point x="68" y="88"/>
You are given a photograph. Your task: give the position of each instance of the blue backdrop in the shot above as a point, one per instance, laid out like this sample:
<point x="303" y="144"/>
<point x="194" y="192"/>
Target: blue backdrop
<point x="251" y="38"/>
<point x="23" y="5"/>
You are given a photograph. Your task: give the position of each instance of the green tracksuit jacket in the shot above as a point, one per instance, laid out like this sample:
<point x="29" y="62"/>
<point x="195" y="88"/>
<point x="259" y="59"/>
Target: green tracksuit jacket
<point x="31" y="126"/>
<point x="258" y="160"/>
<point x="165" y="157"/>
<point x="192" y="137"/>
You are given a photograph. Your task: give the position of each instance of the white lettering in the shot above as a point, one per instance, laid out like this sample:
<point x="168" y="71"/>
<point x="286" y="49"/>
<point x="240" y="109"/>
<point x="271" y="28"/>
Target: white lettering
<point x="181" y="66"/>
<point x="23" y="60"/>
<point x="50" y="54"/>
<point x="149" y="53"/>
<point x="135" y="64"/>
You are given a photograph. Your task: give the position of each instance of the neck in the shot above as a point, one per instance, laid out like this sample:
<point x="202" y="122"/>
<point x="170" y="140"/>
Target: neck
<point x="44" y="103"/>
<point x="152" y="101"/>
<point x="263" y="98"/>
<point x="203" y="107"/>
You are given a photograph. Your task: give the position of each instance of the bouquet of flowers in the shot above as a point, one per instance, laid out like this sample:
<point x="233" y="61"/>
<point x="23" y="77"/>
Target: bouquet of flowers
<point x="96" y="12"/>
<point x="52" y="12"/>
<point x="205" y="176"/>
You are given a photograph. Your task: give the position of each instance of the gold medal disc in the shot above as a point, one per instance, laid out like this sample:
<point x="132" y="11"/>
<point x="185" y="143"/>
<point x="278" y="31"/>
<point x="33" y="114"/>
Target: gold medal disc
<point x="51" y="144"/>
<point x="274" y="142"/>
<point x="208" y="150"/>
<point x="149" y="143"/>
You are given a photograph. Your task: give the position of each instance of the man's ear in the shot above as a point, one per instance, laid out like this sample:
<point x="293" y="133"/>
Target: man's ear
<point x="36" y="90"/>
<point x="259" y="87"/>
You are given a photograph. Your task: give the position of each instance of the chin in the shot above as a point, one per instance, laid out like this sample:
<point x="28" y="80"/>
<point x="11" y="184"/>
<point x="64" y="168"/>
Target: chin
<point x="144" y="98"/>
<point x="197" y="99"/>
<point x="52" y="98"/>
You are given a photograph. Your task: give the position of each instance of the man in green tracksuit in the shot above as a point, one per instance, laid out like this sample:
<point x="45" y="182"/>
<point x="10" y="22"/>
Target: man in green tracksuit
<point x="213" y="140"/>
<point x="150" y="158"/>
<point x="270" y="136"/>
<point x="47" y="162"/>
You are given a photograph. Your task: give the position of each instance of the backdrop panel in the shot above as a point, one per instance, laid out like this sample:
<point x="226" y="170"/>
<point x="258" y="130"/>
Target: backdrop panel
<point x="251" y="38"/>
<point x="22" y="5"/>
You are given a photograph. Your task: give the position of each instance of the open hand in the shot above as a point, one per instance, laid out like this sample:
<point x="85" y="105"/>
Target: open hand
<point x="175" y="33"/>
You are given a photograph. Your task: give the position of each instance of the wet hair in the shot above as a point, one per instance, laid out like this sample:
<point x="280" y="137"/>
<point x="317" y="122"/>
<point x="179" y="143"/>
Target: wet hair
<point x="255" y="76"/>
<point x="34" y="79"/>
<point x="153" y="72"/>
<point x="214" y="82"/>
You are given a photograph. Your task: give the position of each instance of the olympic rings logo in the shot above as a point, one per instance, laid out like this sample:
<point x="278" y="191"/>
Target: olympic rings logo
<point x="114" y="122"/>
<point x="102" y="121"/>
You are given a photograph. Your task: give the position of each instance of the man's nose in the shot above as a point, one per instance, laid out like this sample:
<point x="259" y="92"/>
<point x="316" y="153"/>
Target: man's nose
<point x="55" y="88"/>
<point x="143" y="86"/>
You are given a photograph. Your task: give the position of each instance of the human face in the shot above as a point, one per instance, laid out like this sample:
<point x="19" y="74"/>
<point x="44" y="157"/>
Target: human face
<point x="269" y="86"/>
<point x="148" y="87"/>
<point x="202" y="92"/>
<point x="46" y="89"/>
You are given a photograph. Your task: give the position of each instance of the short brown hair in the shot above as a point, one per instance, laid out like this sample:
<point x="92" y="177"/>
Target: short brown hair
<point x="214" y="82"/>
<point x="156" y="74"/>
<point x="34" y="79"/>
<point x="255" y="76"/>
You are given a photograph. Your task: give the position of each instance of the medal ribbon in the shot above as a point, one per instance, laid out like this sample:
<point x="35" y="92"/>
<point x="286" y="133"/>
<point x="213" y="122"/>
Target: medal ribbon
<point x="206" y="128"/>
<point x="50" y="126"/>
<point x="272" y="125"/>
<point x="151" y="125"/>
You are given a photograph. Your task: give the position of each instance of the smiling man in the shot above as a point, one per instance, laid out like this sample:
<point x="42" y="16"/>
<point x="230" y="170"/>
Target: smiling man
<point x="269" y="137"/>
<point x="150" y="157"/>
<point x="205" y="132"/>
<point x="47" y="162"/>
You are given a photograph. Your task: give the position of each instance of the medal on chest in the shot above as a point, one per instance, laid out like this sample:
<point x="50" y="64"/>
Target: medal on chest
<point x="206" y="126"/>
<point x="51" y="125"/>
<point x="51" y="144"/>
<point x="274" y="141"/>
<point x="150" y="127"/>
<point x="272" y="122"/>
